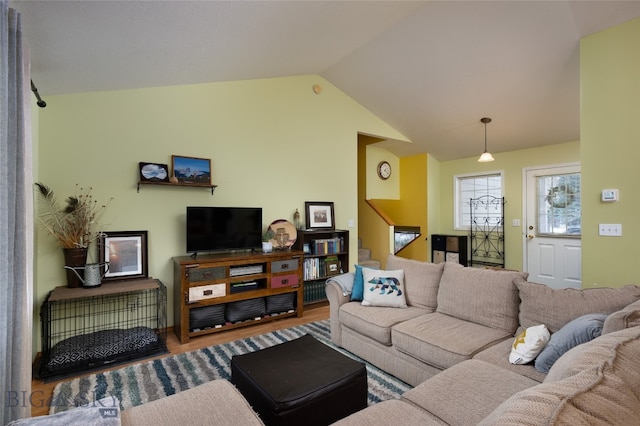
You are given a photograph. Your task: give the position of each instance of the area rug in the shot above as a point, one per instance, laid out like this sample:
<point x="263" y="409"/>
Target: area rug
<point x="147" y="381"/>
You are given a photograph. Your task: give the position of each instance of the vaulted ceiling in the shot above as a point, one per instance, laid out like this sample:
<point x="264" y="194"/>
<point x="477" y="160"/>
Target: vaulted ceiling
<point x="430" y="69"/>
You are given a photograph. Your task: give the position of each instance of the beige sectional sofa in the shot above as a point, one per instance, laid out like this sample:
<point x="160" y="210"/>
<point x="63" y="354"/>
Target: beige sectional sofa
<point x="453" y="340"/>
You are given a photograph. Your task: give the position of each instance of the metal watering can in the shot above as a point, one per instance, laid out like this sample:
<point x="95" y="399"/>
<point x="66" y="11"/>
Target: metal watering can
<point x="92" y="277"/>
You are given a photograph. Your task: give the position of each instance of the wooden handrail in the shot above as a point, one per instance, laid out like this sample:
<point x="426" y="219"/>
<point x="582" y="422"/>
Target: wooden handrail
<point x="380" y="213"/>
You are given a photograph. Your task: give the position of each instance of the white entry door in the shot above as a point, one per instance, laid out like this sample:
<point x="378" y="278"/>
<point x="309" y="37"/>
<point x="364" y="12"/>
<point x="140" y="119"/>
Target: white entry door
<point x="552" y="229"/>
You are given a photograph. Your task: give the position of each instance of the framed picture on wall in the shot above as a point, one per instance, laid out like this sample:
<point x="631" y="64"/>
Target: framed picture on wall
<point x="123" y="255"/>
<point x="191" y="170"/>
<point x="154" y="172"/>
<point x="319" y="215"/>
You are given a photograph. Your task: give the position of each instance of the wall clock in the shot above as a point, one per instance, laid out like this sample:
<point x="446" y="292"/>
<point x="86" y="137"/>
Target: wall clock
<point x="384" y="170"/>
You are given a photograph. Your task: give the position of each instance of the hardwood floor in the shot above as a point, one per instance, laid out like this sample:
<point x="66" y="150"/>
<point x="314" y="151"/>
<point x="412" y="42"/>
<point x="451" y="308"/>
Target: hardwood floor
<point x="42" y="392"/>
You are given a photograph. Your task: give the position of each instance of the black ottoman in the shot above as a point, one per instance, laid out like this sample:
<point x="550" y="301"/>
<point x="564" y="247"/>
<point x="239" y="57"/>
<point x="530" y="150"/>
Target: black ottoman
<point x="300" y="382"/>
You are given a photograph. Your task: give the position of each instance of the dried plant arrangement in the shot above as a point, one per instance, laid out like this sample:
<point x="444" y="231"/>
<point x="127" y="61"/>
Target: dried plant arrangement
<point x="72" y="225"/>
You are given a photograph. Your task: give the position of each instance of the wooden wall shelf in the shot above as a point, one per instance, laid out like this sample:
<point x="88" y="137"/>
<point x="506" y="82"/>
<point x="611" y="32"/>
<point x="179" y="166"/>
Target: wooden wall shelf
<point x="183" y="185"/>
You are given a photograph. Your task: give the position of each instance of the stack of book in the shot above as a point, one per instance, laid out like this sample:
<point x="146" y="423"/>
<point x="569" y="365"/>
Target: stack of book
<point x="327" y="246"/>
<point x="321" y="267"/>
<point x="314" y="292"/>
<point x="314" y="268"/>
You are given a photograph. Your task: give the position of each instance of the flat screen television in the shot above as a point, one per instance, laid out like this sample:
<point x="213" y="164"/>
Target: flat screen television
<point x="223" y="228"/>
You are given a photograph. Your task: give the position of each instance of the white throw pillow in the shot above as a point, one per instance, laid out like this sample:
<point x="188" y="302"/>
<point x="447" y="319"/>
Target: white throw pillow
<point x="528" y="344"/>
<point x="384" y="288"/>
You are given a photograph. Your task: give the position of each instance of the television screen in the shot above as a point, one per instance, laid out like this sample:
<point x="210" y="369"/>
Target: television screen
<point x="223" y="228"/>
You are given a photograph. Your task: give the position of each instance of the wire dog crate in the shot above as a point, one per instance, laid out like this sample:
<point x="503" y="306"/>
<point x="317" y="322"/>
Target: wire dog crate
<point x="85" y="329"/>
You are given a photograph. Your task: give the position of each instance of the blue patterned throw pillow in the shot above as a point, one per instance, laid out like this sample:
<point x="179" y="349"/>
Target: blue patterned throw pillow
<point x="384" y="288"/>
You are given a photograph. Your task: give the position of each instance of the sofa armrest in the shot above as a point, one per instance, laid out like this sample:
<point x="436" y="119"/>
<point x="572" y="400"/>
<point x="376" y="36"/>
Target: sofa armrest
<point x="336" y="297"/>
<point x="627" y="317"/>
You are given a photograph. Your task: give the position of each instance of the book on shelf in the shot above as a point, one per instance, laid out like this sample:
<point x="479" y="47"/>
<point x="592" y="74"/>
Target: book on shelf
<point x="327" y="245"/>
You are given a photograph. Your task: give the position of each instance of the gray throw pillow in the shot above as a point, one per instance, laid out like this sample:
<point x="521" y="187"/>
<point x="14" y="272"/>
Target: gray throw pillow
<point x="580" y="330"/>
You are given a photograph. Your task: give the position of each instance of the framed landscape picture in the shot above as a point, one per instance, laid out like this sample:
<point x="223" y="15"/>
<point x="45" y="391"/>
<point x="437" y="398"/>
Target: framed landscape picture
<point x="154" y="172"/>
<point x="191" y="170"/>
<point x="319" y="215"/>
<point x="125" y="252"/>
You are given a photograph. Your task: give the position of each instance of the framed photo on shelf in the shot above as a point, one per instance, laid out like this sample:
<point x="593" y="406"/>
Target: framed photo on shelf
<point x="154" y="172"/>
<point x="125" y="253"/>
<point x="319" y="215"/>
<point x="191" y="170"/>
<point x="332" y="267"/>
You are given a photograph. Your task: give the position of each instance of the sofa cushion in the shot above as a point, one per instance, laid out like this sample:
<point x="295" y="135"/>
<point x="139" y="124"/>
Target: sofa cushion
<point x="217" y="402"/>
<point x="384" y="288"/>
<point x="441" y="340"/>
<point x="484" y="296"/>
<point x="390" y="412"/>
<point x="476" y="387"/>
<point x="627" y="317"/>
<point x="597" y="383"/>
<point x="498" y="354"/>
<point x="574" y="333"/>
<point x="541" y="304"/>
<point x="375" y="323"/>
<point x="421" y="280"/>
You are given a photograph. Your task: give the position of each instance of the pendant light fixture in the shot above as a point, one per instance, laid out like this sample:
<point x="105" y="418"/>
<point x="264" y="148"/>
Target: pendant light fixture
<point x="486" y="155"/>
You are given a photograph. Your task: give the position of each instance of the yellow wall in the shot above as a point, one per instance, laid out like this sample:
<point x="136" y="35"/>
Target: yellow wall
<point x="402" y="197"/>
<point x="433" y="201"/>
<point x="610" y="136"/>
<point x="413" y="193"/>
<point x="511" y="164"/>
<point x="388" y="189"/>
<point x="273" y="143"/>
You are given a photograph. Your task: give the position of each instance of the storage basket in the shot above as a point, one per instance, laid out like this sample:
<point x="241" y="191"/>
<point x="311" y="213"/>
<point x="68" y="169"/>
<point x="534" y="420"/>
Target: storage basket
<point x="206" y="317"/>
<point x="245" y="309"/>
<point x="280" y="303"/>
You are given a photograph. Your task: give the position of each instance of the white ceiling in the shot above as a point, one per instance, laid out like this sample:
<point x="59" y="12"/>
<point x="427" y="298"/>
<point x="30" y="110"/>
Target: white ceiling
<point x="430" y="69"/>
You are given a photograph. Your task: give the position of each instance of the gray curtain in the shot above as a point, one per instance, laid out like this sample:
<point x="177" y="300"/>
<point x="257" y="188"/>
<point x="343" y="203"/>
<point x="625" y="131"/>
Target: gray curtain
<point x="16" y="222"/>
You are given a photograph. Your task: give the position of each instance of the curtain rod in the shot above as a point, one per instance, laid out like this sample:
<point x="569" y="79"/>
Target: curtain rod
<point x="40" y="102"/>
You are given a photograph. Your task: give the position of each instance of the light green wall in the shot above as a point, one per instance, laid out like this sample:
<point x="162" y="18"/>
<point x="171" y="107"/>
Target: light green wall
<point x="273" y="143"/>
<point x="511" y="164"/>
<point x="610" y="135"/>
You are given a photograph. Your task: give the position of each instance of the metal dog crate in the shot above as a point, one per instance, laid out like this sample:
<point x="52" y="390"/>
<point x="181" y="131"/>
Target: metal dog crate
<point x="86" y="329"/>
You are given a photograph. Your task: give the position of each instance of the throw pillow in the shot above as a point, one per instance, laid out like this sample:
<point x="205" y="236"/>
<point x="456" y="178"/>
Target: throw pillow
<point x="528" y="344"/>
<point x="358" y="285"/>
<point x="384" y="288"/>
<point x="580" y="330"/>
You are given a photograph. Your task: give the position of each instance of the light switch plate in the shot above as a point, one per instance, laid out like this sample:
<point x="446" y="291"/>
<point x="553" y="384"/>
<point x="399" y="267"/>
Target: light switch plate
<point x="610" y="229"/>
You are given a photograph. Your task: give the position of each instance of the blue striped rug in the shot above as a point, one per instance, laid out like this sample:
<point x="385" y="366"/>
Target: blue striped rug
<point x="147" y="381"/>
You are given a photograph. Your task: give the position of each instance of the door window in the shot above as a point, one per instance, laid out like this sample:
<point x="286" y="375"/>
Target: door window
<point x="558" y="205"/>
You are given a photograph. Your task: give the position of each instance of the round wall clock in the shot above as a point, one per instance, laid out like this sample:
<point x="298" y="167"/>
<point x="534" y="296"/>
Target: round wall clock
<point x="384" y="170"/>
